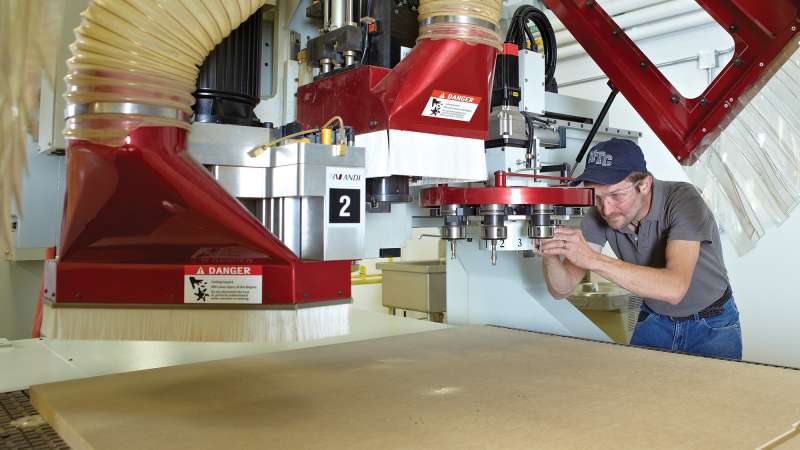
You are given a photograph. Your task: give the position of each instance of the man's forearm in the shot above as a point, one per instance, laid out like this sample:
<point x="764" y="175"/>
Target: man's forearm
<point x="648" y="282"/>
<point x="561" y="276"/>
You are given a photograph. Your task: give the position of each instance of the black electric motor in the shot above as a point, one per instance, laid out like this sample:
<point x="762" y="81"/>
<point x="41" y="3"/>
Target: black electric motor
<point x="229" y="83"/>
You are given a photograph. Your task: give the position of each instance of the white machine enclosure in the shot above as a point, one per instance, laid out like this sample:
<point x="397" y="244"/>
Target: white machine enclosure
<point x="531" y="81"/>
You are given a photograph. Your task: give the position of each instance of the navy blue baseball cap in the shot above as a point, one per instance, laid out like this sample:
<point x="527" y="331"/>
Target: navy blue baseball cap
<point x="612" y="161"/>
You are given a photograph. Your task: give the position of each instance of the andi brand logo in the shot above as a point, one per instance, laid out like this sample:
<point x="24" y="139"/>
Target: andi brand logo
<point x="345" y="177"/>
<point x="600" y="158"/>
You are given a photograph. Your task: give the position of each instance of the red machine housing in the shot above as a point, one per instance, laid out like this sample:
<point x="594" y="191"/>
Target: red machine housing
<point x="502" y="194"/>
<point x="136" y="215"/>
<point x="763" y="32"/>
<point x="373" y="99"/>
<point x="551" y="195"/>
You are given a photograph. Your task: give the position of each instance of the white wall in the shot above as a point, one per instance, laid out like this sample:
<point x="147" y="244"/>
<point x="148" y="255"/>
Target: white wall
<point x="762" y="280"/>
<point x="37" y="229"/>
<point x="19" y="287"/>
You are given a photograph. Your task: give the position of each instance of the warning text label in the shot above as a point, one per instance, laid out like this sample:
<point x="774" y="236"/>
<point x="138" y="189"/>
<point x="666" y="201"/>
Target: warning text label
<point x="222" y="284"/>
<point x="451" y="106"/>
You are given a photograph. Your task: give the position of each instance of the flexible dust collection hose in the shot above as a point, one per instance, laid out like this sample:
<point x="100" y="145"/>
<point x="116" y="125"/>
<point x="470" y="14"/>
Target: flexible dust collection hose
<point x="473" y="21"/>
<point x="135" y="63"/>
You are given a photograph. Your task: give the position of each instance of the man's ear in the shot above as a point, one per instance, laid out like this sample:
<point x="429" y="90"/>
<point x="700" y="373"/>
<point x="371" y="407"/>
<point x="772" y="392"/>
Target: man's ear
<point x="646" y="185"/>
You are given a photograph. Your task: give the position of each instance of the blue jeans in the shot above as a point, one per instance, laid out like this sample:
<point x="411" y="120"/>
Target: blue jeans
<point x="719" y="336"/>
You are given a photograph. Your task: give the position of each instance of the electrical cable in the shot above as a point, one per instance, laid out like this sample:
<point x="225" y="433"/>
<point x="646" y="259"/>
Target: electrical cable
<point x="596" y="126"/>
<point x="334" y="119"/>
<point x="531" y="140"/>
<point x="259" y="150"/>
<point x="342" y="132"/>
<point x="519" y="33"/>
<point x="366" y="40"/>
<point x="536" y="119"/>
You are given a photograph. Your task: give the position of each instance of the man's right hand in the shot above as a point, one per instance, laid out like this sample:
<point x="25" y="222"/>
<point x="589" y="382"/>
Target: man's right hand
<point x="562" y="276"/>
<point x="537" y="249"/>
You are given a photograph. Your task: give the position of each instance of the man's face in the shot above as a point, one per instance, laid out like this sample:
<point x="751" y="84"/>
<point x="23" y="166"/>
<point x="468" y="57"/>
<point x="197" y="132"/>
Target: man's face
<point x="619" y="204"/>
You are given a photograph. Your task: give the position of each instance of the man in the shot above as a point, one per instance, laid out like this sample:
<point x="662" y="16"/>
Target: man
<point x="669" y="253"/>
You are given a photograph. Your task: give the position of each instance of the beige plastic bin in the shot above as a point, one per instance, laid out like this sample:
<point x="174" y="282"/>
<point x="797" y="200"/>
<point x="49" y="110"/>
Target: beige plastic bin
<point x="415" y="286"/>
<point x="612" y="309"/>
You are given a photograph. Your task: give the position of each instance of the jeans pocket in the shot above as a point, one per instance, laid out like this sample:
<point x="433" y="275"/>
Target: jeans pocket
<point x="728" y="319"/>
<point x="645" y="313"/>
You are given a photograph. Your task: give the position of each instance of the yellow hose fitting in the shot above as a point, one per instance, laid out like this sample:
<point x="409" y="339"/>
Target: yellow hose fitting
<point x="327" y="136"/>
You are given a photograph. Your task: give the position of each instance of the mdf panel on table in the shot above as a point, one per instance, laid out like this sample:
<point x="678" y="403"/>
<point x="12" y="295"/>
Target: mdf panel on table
<point x="464" y="387"/>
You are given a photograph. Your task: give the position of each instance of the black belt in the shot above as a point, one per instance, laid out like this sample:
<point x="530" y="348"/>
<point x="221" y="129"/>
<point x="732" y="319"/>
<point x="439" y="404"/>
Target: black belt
<point x="713" y="310"/>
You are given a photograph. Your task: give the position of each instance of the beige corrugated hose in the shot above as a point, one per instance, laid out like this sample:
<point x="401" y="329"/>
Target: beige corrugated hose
<point x="141" y="57"/>
<point x="474" y="21"/>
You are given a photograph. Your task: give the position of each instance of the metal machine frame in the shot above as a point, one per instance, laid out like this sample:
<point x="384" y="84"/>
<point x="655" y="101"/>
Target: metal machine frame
<point x="136" y="215"/>
<point x="761" y="31"/>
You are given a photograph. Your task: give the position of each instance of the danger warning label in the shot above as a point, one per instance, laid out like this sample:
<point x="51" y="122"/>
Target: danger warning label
<point x="452" y="106"/>
<point x="222" y="284"/>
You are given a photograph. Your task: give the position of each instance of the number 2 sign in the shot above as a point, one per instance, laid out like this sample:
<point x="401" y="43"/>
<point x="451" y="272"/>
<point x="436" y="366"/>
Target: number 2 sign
<point x="344" y="206"/>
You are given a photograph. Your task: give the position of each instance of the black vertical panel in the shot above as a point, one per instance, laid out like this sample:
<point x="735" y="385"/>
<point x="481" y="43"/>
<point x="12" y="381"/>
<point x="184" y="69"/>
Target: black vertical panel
<point x="399" y="28"/>
<point x="228" y="85"/>
<point x="506" y="89"/>
<point x="380" y="46"/>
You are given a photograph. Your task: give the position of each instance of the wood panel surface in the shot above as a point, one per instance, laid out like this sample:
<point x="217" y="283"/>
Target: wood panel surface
<point x="465" y="387"/>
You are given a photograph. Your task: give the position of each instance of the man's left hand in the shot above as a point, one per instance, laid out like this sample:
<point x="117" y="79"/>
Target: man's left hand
<point x="569" y="243"/>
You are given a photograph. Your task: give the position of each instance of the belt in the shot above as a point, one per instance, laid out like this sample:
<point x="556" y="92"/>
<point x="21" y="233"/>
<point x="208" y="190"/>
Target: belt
<point x="713" y="310"/>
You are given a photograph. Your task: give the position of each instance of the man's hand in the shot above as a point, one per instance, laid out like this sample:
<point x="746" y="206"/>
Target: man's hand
<point x="569" y="243"/>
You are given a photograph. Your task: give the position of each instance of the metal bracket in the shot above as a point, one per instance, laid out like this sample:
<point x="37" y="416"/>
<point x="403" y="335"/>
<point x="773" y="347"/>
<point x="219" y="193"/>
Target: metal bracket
<point x="761" y="32"/>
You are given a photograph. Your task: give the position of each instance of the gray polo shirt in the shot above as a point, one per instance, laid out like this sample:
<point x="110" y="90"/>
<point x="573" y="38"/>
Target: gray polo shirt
<point x="677" y="212"/>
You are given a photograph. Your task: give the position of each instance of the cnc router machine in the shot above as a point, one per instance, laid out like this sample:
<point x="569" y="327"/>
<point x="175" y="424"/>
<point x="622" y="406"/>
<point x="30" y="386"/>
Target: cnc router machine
<point x="465" y="132"/>
<point x="186" y="217"/>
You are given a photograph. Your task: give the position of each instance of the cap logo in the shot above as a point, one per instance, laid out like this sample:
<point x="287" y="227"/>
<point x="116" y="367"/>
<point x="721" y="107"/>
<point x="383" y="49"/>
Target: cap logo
<point x="600" y="158"/>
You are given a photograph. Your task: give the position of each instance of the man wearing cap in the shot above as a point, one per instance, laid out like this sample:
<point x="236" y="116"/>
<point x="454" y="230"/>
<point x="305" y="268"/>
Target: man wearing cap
<point x="669" y="251"/>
